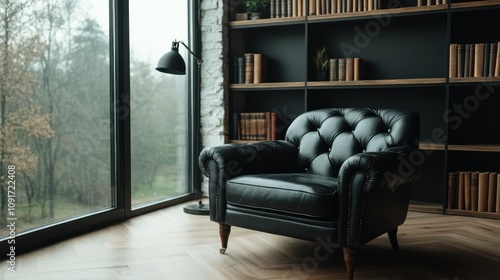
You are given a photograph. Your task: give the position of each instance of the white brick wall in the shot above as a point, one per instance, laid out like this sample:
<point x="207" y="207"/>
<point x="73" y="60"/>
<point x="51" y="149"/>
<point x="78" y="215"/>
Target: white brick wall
<point x="212" y="77"/>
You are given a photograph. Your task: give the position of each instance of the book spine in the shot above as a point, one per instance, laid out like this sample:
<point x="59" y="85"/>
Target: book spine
<point x="460" y="60"/>
<point x="482" y="205"/>
<point x="349" y="69"/>
<point x="342" y="69"/>
<point x="453" y="60"/>
<point x="257" y="68"/>
<point x="493" y="59"/>
<point x="241" y="70"/>
<point x="486" y="61"/>
<point x="474" y="184"/>
<point x="497" y="63"/>
<point x="272" y="9"/>
<point x="478" y="59"/>
<point x="334" y="64"/>
<point x="467" y="189"/>
<point x="467" y="61"/>
<point x="358" y="68"/>
<point x="249" y="68"/>
<point x="492" y="191"/>
<point x="471" y="59"/>
<point x="460" y="191"/>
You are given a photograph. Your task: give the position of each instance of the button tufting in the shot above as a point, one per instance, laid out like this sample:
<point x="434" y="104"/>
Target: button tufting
<point x="389" y="130"/>
<point x="306" y="169"/>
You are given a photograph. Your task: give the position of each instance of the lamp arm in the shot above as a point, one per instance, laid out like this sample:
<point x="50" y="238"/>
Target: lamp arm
<point x="198" y="60"/>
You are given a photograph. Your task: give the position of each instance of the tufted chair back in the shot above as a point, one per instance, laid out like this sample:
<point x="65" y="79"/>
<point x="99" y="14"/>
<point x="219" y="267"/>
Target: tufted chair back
<point x="328" y="137"/>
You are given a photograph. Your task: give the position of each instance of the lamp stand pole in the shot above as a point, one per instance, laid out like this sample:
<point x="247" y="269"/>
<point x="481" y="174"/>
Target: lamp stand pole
<point x="199" y="208"/>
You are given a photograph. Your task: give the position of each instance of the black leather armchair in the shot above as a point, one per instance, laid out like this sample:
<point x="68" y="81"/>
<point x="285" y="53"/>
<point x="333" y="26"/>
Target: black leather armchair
<point x="340" y="176"/>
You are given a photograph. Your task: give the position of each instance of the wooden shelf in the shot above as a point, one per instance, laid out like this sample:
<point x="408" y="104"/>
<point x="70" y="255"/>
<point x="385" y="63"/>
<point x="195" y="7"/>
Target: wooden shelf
<point x="431" y="146"/>
<point x="261" y="86"/>
<point x="474" y="4"/>
<point x="377" y="83"/>
<point x="474" y="80"/>
<point x="475" y="148"/>
<point x="266" y="22"/>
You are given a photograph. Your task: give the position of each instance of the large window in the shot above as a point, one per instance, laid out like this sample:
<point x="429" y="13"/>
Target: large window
<point x="55" y="140"/>
<point x="84" y="141"/>
<point x="158" y="102"/>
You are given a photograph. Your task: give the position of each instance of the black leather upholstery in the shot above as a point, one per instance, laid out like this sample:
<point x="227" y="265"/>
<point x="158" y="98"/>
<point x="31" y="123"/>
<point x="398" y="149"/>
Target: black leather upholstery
<point x="338" y="175"/>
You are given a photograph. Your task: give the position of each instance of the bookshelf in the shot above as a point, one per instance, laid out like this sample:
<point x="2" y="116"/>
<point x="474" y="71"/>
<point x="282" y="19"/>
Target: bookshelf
<point x="406" y="53"/>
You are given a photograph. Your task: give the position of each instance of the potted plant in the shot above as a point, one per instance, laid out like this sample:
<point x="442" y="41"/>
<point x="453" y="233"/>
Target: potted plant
<point x="256" y="9"/>
<point x="321" y="63"/>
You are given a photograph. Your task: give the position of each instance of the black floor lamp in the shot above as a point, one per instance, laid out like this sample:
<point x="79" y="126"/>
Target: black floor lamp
<point x="173" y="63"/>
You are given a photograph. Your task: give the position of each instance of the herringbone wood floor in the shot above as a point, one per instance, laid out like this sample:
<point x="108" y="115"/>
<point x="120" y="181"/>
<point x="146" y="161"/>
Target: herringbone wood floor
<point x="169" y="244"/>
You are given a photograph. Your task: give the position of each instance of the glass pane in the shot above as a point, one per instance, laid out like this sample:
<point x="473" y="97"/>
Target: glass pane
<point x="55" y="143"/>
<point x="158" y="101"/>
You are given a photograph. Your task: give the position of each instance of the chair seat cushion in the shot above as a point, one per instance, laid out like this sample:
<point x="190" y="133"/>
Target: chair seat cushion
<point x="301" y="194"/>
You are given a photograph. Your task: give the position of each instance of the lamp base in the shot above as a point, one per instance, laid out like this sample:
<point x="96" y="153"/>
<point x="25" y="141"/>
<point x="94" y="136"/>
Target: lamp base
<point x="197" y="209"/>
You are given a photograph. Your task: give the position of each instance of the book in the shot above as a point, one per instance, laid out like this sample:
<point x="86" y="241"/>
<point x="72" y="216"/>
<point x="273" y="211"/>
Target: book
<point x="333" y="66"/>
<point x="349" y="69"/>
<point x="272" y="9"/>
<point x="312" y="7"/>
<point x="467" y="189"/>
<point x="342" y="69"/>
<point x="471" y="60"/>
<point x="493" y="59"/>
<point x="478" y="59"/>
<point x="474" y="184"/>
<point x="358" y="68"/>
<point x="486" y="61"/>
<point x="460" y="192"/>
<point x="453" y="60"/>
<point x="259" y="67"/>
<point x="452" y="190"/>
<point x="497" y="63"/>
<point x="249" y="68"/>
<point x="467" y="60"/>
<point x="240" y="69"/>
<point x="460" y="60"/>
<point x="482" y="204"/>
<point x="492" y="191"/>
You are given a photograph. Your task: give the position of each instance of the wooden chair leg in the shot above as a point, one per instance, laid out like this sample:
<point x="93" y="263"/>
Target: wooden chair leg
<point x="350" y="260"/>
<point x="393" y="238"/>
<point x="224" y="231"/>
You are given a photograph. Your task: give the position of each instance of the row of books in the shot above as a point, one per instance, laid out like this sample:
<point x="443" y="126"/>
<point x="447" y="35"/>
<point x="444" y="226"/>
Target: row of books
<point x="345" y="69"/>
<point x="474" y="191"/>
<point x="297" y="8"/>
<point x="421" y="3"/>
<point x="474" y="60"/>
<point x="259" y="126"/>
<point x="250" y="69"/>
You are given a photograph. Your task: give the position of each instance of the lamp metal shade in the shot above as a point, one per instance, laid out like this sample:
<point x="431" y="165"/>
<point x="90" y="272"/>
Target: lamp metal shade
<point x="172" y="62"/>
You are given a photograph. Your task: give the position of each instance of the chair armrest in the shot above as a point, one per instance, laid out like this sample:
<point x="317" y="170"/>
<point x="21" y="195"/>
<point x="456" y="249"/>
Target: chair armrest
<point x="227" y="161"/>
<point x="242" y="159"/>
<point x="386" y="169"/>
<point x="372" y="198"/>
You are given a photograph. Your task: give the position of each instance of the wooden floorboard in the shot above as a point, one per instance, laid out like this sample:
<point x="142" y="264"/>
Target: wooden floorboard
<point x="169" y="244"/>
